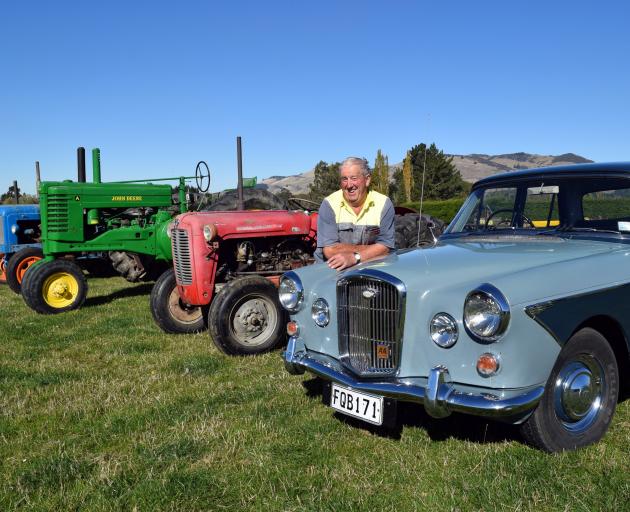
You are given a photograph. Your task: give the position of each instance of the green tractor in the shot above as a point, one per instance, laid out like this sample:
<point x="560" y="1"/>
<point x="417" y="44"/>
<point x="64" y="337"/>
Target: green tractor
<point x="127" y="220"/>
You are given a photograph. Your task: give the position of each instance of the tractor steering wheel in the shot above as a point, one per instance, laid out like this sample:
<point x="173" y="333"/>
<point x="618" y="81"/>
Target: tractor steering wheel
<point x="202" y="176"/>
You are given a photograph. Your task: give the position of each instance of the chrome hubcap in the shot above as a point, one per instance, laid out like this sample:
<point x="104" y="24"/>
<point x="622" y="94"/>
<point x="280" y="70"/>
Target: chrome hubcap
<point x="578" y="393"/>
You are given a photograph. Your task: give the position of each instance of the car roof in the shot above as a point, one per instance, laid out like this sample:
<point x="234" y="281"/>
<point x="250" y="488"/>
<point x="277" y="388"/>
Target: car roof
<point x="612" y="168"/>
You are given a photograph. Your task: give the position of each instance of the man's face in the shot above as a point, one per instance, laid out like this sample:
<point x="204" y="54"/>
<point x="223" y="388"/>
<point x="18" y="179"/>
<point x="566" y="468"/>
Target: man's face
<point x="354" y="184"/>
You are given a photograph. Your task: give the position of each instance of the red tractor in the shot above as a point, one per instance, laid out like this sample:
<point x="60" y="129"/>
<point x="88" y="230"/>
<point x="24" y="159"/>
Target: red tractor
<point x="226" y="266"/>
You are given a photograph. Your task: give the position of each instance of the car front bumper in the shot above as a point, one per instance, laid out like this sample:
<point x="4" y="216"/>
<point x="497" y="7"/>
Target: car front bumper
<point x="437" y="393"/>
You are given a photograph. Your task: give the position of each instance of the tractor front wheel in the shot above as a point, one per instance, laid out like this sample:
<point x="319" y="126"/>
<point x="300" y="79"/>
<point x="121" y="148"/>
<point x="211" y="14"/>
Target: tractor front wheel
<point x="170" y="313"/>
<point x="246" y="317"/>
<point x="54" y="287"/>
<point x="18" y="264"/>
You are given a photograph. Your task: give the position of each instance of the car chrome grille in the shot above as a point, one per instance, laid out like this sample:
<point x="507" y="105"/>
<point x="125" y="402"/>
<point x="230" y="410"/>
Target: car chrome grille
<point x="181" y="257"/>
<point x="370" y="312"/>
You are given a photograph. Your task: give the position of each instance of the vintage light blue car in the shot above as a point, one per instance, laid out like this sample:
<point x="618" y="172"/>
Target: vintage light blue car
<point x="520" y="311"/>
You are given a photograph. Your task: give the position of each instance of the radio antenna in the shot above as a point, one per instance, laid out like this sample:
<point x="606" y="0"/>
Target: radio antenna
<point x="424" y="171"/>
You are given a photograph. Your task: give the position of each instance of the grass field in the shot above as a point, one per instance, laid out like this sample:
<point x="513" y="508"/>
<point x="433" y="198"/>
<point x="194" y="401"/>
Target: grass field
<point x="99" y="410"/>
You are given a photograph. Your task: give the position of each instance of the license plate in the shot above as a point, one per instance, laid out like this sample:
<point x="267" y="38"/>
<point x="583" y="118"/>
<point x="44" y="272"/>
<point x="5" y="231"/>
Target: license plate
<point x="360" y="405"/>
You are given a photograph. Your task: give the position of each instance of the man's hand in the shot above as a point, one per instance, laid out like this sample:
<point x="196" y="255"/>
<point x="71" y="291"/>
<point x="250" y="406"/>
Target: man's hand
<point x="341" y="260"/>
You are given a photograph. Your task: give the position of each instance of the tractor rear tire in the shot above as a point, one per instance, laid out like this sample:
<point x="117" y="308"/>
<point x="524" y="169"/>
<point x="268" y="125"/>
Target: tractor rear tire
<point x="170" y="313"/>
<point x="246" y="317"/>
<point x="18" y="264"/>
<point x="253" y="199"/>
<point x="52" y="287"/>
<point x="407" y="234"/>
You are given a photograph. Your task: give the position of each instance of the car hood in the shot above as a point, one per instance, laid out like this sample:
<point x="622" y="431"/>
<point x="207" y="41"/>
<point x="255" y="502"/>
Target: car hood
<point x="525" y="268"/>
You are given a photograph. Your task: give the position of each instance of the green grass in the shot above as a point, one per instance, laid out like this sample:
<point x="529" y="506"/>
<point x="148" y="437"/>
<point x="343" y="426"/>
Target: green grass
<point x="100" y="410"/>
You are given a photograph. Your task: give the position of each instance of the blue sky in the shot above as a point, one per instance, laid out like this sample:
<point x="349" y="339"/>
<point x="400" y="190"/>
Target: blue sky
<point x="160" y="85"/>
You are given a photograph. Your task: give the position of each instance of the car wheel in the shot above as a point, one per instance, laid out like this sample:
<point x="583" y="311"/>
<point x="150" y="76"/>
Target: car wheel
<point x="54" y="287"/>
<point x="18" y="264"/>
<point x="170" y="313"/>
<point x="580" y="396"/>
<point x="246" y="317"/>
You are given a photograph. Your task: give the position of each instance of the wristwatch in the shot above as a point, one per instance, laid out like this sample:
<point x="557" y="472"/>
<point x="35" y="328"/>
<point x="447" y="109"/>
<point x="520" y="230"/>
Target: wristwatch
<point x="357" y="257"/>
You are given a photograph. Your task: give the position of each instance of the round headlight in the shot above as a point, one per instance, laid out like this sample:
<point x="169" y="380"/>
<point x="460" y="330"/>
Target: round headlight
<point x="444" y="331"/>
<point x="209" y="232"/>
<point x="14" y="228"/>
<point x="486" y="313"/>
<point x="291" y="292"/>
<point x="320" y="312"/>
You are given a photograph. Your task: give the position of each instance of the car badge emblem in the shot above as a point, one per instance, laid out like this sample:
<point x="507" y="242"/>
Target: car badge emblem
<point x="369" y="293"/>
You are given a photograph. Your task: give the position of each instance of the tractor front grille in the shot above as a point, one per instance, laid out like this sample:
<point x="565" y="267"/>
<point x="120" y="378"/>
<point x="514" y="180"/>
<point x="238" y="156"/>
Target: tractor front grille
<point x="181" y="257"/>
<point x="57" y="211"/>
<point x="370" y="314"/>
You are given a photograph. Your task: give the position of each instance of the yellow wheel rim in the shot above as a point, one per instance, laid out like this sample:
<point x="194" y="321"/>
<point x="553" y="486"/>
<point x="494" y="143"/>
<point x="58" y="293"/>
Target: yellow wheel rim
<point x="60" y="290"/>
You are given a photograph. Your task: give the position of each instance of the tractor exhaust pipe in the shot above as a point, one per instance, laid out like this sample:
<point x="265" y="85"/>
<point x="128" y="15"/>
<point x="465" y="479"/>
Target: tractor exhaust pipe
<point x="81" y="165"/>
<point x="239" y="186"/>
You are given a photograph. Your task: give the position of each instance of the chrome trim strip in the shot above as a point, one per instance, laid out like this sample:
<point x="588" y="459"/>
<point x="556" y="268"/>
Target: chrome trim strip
<point x="440" y="396"/>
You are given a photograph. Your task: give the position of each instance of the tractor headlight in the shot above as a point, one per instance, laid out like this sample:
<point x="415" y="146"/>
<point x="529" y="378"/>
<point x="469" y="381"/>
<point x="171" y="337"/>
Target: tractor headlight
<point x="209" y="232"/>
<point x="486" y="313"/>
<point x="15" y="228"/>
<point x="169" y="229"/>
<point x="320" y="312"/>
<point x="291" y="292"/>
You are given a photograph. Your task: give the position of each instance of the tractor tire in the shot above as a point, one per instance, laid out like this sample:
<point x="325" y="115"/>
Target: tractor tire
<point x="407" y="234"/>
<point x="170" y="313"/>
<point x="246" y="318"/>
<point x="253" y="199"/>
<point x="53" y="287"/>
<point x="18" y="264"/>
<point x="136" y="267"/>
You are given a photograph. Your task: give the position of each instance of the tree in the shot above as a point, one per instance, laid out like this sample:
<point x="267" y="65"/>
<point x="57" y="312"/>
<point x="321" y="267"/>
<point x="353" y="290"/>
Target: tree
<point x="325" y="182"/>
<point x="380" y="174"/>
<point x="9" y="195"/>
<point x="442" y="180"/>
<point x="407" y="177"/>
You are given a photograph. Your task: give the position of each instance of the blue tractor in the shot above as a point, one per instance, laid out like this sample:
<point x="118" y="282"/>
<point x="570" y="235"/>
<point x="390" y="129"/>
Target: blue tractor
<point x="19" y="241"/>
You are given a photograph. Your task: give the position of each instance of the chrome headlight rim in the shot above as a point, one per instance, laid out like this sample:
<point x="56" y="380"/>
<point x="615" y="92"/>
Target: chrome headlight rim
<point x="494" y="294"/>
<point x="320" y="305"/>
<point x="295" y="305"/>
<point x="438" y="325"/>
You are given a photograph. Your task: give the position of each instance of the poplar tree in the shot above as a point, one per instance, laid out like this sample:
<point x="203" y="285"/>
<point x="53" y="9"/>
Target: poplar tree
<point x="407" y="176"/>
<point x="380" y="174"/>
<point x="325" y="181"/>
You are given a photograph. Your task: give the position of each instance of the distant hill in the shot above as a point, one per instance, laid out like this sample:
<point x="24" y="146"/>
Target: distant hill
<point x="472" y="168"/>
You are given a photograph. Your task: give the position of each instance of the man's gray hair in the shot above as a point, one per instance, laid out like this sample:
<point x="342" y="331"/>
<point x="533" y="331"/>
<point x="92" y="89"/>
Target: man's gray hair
<point x="361" y="162"/>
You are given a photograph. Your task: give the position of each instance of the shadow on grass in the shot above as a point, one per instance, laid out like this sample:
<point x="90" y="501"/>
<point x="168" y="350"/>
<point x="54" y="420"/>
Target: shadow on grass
<point x="456" y="426"/>
<point x="143" y="289"/>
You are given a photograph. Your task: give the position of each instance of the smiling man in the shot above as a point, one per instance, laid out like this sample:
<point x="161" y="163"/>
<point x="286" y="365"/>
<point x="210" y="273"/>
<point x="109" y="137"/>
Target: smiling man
<point x="355" y="223"/>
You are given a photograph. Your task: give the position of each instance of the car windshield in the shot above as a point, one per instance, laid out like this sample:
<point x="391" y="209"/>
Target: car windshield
<point x="557" y="206"/>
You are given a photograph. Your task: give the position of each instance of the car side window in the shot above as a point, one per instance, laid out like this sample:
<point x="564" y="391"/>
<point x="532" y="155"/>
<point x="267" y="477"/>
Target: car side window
<point x="607" y="209"/>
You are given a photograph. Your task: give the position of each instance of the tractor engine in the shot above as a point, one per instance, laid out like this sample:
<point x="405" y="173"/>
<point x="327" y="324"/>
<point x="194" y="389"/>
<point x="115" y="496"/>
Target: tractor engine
<point x="271" y="255"/>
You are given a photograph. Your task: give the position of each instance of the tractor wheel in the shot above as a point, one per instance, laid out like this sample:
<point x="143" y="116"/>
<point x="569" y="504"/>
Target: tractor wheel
<point x="253" y="199"/>
<point x="170" y="313"/>
<point x="54" y="287"/>
<point x="407" y="233"/>
<point x="246" y="317"/>
<point x="18" y="265"/>
<point x="3" y="269"/>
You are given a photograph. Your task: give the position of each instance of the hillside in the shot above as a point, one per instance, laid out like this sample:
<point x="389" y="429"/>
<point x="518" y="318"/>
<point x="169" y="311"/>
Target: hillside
<point x="472" y="168"/>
